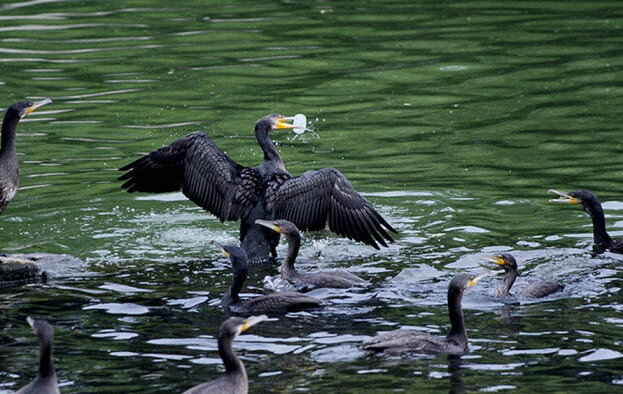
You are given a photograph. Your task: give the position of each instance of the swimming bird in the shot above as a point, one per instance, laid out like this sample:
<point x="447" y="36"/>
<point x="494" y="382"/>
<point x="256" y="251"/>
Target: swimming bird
<point x="333" y="279"/>
<point x="591" y="205"/>
<point x="534" y="290"/>
<point x="408" y="341"/>
<point x="273" y="303"/>
<point x="46" y="381"/>
<point x="230" y="191"/>
<point x="9" y="166"/>
<point x="235" y="379"/>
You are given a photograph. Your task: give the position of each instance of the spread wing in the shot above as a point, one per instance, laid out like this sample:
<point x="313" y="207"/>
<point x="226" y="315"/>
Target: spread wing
<point x="317" y="198"/>
<point x="204" y="173"/>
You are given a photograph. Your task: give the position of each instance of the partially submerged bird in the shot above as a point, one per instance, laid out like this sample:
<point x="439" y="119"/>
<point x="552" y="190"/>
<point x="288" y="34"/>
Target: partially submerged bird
<point x="534" y="290"/>
<point x="9" y="166"/>
<point x="334" y="279"/>
<point x="408" y="341"/>
<point x="235" y="379"/>
<point x="46" y="381"/>
<point x="273" y="303"/>
<point x="591" y="205"/>
<point x="230" y="191"/>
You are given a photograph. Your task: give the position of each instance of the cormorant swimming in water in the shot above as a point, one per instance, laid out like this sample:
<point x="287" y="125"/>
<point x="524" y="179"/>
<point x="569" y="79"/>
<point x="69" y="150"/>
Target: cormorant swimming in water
<point x="591" y="205"/>
<point x="9" y="166"/>
<point x="235" y="379"/>
<point x="46" y="381"/>
<point x="273" y="303"/>
<point x="408" y="341"/>
<point x="534" y="290"/>
<point x="333" y="279"/>
<point x="230" y="191"/>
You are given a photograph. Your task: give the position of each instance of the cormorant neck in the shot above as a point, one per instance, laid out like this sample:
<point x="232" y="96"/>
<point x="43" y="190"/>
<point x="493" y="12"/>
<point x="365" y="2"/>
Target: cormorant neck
<point x="457" y="331"/>
<point x="9" y="125"/>
<point x="294" y="244"/>
<point x="600" y="236"/>
<point x="46" y="365"/>
<point x="231" y="296"/>
<point x="267" y="145"/>
<point x="232" y="363"/>
<point x="506" y="283"/>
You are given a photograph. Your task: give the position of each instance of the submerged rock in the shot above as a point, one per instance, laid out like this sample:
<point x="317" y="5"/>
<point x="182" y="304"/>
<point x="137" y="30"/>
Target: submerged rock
<point x="18" y="269"/>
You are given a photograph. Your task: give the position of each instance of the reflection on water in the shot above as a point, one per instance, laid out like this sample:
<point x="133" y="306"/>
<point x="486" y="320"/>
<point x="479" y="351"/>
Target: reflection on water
<point x="453" y="118"/>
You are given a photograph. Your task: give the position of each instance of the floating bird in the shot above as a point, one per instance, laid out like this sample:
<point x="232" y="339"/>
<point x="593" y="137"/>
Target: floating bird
<point x="273" y="303"/>
<point x="591" y="205"/>
<point x="9" y="166"/>
<point x="333" y="279"/>
<point x="534" y="290"/>
<point x="230" y="191"/>
<point x="235" y="380"/>
<point x="407" y="341"/>
<point x="46" y="381"/>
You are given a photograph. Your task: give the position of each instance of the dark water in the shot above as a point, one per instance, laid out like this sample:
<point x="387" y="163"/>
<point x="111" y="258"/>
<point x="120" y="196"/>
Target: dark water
<point x="454" y="118"/>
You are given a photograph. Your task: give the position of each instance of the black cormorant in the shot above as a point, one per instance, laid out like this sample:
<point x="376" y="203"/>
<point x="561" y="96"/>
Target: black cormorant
<point x="534" y="290"/>
<point x="408" y="341"/>
<point x="273" y="303"/>
<point x="235" y="379"/>
<point x="334" y="279"/>
<point x="230" y="191"/>
<point x="591" y="205"/>
<point x="9" y="166"/>
<point x="46" y="381"/>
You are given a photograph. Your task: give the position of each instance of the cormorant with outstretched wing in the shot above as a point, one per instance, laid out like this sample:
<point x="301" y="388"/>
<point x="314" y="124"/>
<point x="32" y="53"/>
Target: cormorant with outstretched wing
<point x="209" y="178"/>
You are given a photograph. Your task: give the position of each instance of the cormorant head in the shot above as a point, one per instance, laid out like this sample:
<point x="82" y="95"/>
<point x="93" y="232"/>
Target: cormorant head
<point x="583" y="198"/>
<point x="43" y="330"/>
<point x="281" y="226"/>
<point x="23" y="108"/>
<point x="236" y="255"/>
<point x="274" y="122"/>
<point x="504" y="260"/>
<point x="236" y="325"/>
<point x="463" y="281"/>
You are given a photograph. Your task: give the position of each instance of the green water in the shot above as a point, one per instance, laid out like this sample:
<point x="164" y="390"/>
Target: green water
<point x="454" y="118"/>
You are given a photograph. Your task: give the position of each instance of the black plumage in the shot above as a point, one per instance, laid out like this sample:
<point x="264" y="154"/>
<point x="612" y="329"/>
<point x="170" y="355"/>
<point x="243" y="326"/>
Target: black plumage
<point x="408" y="341"/>
<point x="9" y="165"/>
<point x="46" y="381"/>
<point x="330" y="279"/>
<point x="209" y="178"/>
<point x="235" y="379"/>
<point x="592" y="206"/>
<point x="537" y="289"/>
<point x="274" y="303"/>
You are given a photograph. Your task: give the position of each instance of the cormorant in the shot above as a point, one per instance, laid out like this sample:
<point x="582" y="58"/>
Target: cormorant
<point x="407" y="341"/>
<point x="334" y="279"/>
<point x="591" y="205"/>
<point x="9" y="166"/>
<point x="235" y="379"/>
<point x="534" y="290"/>
<point x="273" y="303"/>
<point x="230" y="191"/>
<point x="46" y="381"/>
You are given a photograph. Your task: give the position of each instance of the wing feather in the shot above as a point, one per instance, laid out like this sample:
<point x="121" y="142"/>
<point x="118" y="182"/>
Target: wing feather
<point x="204" y="173"/>
<point x="317" y="198"/>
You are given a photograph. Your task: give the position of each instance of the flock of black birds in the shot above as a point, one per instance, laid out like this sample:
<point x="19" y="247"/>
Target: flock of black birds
<point x="269" y="202"/>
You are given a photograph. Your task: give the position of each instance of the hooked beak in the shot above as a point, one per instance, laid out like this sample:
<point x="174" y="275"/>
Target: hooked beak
<point x="253" y="320"/>
<point x="269" y="224"/>
<point x="221" y="248"/>
<point x="36" y="105"/>
<point x="564" y="197"/>
<point x="281" y="123"/>
<point x="477" y="278"/>
<point x="495" y="259"/>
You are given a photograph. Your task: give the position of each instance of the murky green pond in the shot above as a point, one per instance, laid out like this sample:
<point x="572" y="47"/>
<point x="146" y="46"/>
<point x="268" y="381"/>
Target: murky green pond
<point x="454" y="119"/>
